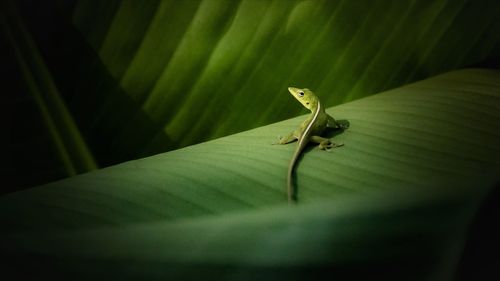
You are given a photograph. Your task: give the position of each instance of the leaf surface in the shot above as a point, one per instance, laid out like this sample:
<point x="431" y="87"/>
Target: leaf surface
<point x="395" y="201"/>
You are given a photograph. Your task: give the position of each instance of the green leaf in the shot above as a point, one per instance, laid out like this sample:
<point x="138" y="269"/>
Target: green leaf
<point x="394" y="202"/>
<point x="211" y="63"/>
<point x="132" y="74"/>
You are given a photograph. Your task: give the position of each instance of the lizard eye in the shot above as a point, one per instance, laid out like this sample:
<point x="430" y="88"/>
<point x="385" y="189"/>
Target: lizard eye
<point x="301" y="94"/>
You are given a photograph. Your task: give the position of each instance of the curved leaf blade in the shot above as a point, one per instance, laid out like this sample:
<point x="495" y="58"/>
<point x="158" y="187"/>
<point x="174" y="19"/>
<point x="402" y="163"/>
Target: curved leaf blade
<point x="417" y="162"/>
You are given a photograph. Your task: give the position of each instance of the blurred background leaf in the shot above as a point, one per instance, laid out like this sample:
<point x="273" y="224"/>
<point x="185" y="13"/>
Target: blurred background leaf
<point x="142" y="77"/>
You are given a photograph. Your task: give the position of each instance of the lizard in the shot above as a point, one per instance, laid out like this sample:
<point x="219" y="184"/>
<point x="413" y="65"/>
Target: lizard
<point x="309" y="131"/>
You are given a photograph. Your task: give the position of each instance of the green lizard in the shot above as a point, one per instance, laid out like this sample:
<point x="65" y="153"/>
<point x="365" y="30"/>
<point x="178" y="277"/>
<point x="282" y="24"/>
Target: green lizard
<point x="309" y="131"/>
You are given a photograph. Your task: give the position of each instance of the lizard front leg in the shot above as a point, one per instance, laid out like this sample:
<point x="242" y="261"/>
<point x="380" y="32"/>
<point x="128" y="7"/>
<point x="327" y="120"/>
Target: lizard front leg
<point x="288" y="139"/>
<point x="324" y="143"/>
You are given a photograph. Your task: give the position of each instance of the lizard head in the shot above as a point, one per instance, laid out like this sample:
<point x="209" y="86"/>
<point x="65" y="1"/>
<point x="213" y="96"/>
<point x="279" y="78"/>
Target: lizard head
<point x="305" y="96"/>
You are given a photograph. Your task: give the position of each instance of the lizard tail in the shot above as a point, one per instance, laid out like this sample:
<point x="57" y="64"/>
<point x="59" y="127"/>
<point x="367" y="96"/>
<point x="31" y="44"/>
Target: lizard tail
<point x="302" y="142"/>
<point x="291" y="188"/>
<point x="291" y="192"/>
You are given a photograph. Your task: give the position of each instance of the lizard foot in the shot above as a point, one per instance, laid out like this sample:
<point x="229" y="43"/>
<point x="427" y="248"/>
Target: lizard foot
<point x="342" y="124"/>
<point x="278" y="141"/>
<point x="328" y="145"/>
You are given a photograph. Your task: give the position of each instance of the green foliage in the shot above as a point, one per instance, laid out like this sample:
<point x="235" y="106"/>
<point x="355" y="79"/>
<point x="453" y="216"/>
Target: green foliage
<point x="69" y="145"/>
<point x="213" y="62"/>
<point x="143" y="77"/>
<point x="394" y="202"/>
<point x="122" y="79"/>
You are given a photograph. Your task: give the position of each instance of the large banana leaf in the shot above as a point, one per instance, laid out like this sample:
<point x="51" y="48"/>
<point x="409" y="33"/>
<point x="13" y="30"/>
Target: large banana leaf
<point x="394" y="203"/>
<point x="142" y="77"/>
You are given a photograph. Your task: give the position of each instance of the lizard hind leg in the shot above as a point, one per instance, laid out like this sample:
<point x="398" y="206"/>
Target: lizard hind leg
<point x="331" y="123"/>
<point x="324" y="143"/>
<point x="337" y="124"/>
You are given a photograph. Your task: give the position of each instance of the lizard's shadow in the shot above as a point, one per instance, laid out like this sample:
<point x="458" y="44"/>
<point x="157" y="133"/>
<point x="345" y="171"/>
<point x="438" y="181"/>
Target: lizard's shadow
<point x="329" y="133"/>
